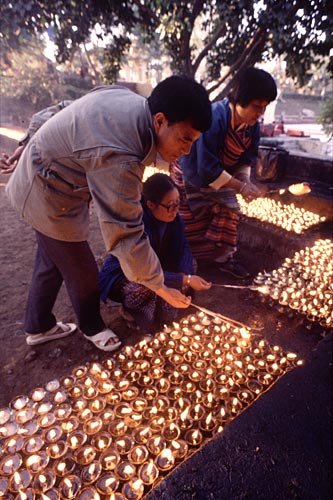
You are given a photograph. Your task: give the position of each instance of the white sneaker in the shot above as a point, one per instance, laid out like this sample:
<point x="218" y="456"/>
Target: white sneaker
<point x="59" y="331"/>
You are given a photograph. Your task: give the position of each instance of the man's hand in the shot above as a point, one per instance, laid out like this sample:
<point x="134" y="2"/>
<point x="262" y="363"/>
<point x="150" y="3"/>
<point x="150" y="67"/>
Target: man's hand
<point x="173" y="297"/>
<point x="8" y="163"/>
<point x="198" y="283"/>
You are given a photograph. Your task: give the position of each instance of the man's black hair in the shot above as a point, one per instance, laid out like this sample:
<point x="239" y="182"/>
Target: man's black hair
<point x="181" y="98"/>
<point x="253" y="83"/>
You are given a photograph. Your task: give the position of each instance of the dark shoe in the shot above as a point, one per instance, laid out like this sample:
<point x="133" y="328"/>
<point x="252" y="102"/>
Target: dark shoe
<point x="234" y="267"/>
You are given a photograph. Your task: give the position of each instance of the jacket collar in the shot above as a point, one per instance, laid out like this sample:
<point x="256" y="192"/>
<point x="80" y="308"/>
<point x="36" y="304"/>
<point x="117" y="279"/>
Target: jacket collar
<point x="150" y="156"/>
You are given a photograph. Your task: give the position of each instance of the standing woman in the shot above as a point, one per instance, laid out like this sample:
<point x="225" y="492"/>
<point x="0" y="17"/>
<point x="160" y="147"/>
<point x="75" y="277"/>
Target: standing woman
<point x="165" y="230"/>
<point x="219" y="166"/>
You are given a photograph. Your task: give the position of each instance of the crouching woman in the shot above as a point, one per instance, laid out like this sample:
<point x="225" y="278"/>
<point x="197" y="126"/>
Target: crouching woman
<point x="165" y="230"/>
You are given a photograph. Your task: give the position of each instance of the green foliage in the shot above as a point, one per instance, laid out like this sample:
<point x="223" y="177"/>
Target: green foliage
<point x="32" y="81"/>
<point x="112" y="58"/>
<point x="232" y="33"/>
<point x="326" y="116"/>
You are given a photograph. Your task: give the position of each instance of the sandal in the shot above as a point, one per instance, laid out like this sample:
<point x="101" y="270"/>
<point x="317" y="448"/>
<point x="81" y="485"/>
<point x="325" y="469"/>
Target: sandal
<point x="101" y="340"/>
<point x="59" y="331"/>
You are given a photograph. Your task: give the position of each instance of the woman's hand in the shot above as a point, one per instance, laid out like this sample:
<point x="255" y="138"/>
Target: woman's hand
<point x="198" y="283"/>
<point x="173" y="297"/>
<point x="8" y="163"/>
<point x="263" y="189"/>
<point x="249" y="191"/>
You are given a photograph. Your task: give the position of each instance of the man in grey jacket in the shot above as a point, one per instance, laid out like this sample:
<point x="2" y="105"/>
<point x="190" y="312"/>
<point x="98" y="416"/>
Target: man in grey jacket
<point x="96" y="148"/>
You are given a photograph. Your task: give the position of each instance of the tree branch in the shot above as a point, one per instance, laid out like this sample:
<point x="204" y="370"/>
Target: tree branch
<point x="208" y="46"/>
<point x="250" y="61"/>
<point x="248" y="57"/>
<point x="196" y="9"/>
<point x="255" y="42"/>
<point x="91" y="64"/>
<point x="146" y="12"/>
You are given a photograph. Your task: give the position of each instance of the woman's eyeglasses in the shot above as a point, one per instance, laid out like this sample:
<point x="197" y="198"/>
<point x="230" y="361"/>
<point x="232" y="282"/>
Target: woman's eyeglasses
<point x="171" y="207"/>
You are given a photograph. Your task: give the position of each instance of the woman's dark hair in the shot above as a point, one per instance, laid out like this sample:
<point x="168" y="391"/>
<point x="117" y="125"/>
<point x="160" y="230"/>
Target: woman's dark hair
<point x="156" y="187"/>
<point x="253" y="83"/>
<point x="181" y="98"/>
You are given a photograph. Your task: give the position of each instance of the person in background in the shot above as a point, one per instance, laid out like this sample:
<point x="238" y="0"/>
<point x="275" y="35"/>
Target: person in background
<point x="218" y="167"/>
<point x="166" y="233"/>
<point x="279" y="129"/>
<point x="8" y="162"/>
<point x="96" y="149"/>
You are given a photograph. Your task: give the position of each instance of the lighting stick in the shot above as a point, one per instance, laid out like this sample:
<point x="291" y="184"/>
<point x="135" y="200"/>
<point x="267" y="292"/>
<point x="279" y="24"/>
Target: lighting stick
<point x="233" y="322"/>
<point x="250" y="287"/>
<point x="257" y="288"/>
